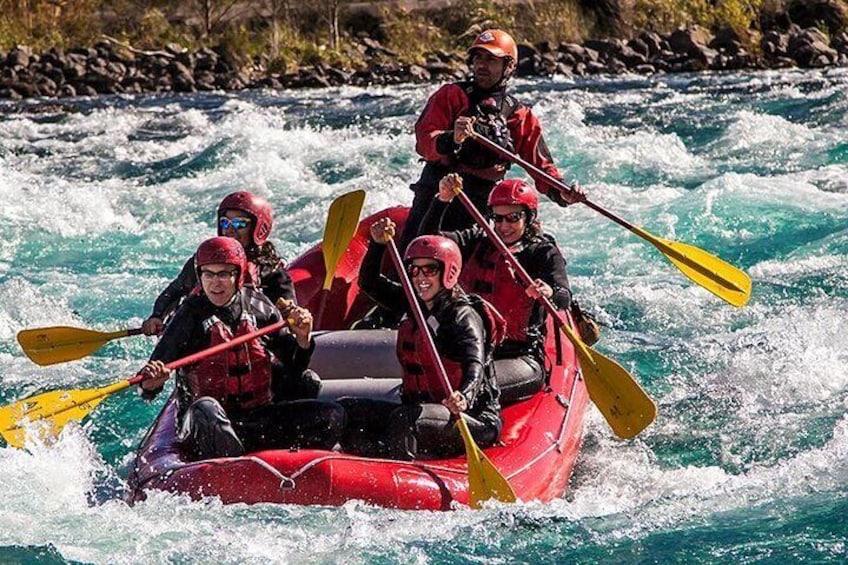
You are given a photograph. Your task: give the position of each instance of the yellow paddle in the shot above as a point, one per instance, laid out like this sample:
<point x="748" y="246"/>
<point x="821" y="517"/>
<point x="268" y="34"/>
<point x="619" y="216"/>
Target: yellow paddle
<point x="47" y="346"/>
<point x="342" y="221"/>
<point x="719" y="277"/>
<point x="485" y="482"/>
<point x="623" y="403"/>
<point x="56" y="408"/>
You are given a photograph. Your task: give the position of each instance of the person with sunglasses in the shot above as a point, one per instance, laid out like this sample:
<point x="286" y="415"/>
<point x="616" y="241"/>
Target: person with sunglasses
<point x="226" y="404"/>
<point x="463" y="329"/>
<point x="248" y="218"/>
<point x="513" y="208"/>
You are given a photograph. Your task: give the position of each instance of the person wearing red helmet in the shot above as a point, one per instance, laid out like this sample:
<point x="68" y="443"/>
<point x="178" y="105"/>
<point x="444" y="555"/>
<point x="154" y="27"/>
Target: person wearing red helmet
<point x="513" y="206"/>
<point x="463" y="330"/>
<point x="226" y="405"/>
<point x="248" y="218"/>
<point x="481" y="104"/>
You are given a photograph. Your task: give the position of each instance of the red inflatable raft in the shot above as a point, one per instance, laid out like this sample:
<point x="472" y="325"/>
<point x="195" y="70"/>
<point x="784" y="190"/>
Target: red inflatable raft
<point x="539" y="445"/>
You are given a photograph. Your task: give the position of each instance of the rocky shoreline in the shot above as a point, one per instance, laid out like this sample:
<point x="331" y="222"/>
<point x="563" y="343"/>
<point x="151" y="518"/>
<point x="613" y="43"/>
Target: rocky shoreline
<point x="111" y="67"/>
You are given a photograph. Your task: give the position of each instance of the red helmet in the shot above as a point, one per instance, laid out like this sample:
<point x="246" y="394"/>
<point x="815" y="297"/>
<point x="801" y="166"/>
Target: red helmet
<point x="256" y="206"/>
<point x="443" y="250"/>
<point x="513" y="192"/>
<point x="497" y="42"/>
<point x="222" y="250"/>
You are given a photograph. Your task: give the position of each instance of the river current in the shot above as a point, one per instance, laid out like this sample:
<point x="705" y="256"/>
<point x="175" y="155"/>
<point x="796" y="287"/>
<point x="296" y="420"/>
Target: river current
<point x="102" y="200"/>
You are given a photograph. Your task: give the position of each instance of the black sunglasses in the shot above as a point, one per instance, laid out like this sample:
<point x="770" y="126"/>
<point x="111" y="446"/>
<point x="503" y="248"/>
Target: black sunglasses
<point x="512" y="217"/>
<point x="428" y="270"/>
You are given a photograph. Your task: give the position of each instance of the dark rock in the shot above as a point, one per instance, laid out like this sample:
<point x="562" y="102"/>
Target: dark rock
<point x="832" y="14"/>
<point x="10" y="94"/>
<point x="840" y="42"/>
<point x="85" y="90"/>
<point x="419" y="74"/>
<point x="690" y="40"/>
<point x="25" y="89"/>
<point x="631" y="58"/>
<point x="639" y="46"/>
<point x="809" y="48"/>
<point x="175" y="49"/>
<point x="774" y="44"/>
<point x="544" y="47"/>
<point x="204" y="80"/>
<point x="646" y="69"/>
<point x="573" y="51"/>
<point x="726" y="41"/>
<point x="654" y="42"/>
<point x="67" y="91"/>
<point x="339" y="76"/>
<point x="20" y="56"/>
<point x="315" y="80"/>
<point x="607" y="49"/>
<point x="74" y="71"/>
<point x="46" y="87"/>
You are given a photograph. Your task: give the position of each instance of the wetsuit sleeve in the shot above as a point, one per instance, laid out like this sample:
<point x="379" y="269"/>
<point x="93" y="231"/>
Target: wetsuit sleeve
<point x="294" y="358"/>
<point x="182" y="336"/>
<point x="465" y="239"/>
<point x="549" y="265"/>
<point x="530" y="145"/>
<point x="382" y="290"/>
<point x="180" y="287"/>
<point x="469" y="339"/>
<point x="277" y="283"/>
<point x="434" y="128"/>
<point x="431" y="223"/>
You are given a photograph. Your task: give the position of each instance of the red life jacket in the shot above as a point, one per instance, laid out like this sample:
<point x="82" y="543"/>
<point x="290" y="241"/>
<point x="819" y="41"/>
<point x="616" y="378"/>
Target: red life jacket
<point x="488" y="275"/>
<point x="420" y="374"/>
<point x="492" y="113"/>
<point x="237" y="378"/>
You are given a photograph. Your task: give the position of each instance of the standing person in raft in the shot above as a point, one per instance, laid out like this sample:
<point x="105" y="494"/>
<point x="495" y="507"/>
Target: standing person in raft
<point x="248" y="218"/>
<point x="225" y="401"/>
<point x="481" y="104"/>
<point x="513" y="207"/>
<point x="464" y="329"/>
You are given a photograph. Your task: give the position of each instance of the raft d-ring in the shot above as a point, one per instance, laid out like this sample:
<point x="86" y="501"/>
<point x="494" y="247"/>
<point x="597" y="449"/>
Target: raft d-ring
<point x="286" y="483"/>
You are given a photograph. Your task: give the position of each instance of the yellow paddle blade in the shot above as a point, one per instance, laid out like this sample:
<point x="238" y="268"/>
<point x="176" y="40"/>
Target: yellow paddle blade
<point x="342" y="221"/>
<point x="52" y="409"/>
<point x="485" y="482"/>
<point x="622" y="402"/>
<point x="59" y="344"/>
<point x="719" y="277"/>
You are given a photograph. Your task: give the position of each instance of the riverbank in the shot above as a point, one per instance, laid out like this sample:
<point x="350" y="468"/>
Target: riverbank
<point x="114" y="67"/>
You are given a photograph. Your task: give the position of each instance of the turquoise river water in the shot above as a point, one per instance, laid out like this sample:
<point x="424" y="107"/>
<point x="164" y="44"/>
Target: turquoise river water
<point x="101" y="201"/>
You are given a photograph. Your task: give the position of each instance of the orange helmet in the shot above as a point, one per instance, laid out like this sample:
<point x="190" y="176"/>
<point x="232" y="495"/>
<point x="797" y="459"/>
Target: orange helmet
<point x="497" y="42"/>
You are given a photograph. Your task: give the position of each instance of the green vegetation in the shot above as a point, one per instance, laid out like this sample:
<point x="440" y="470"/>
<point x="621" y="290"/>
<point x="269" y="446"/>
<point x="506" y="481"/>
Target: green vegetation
<point x="664" y="16"/>
<point x="286" y="33"/>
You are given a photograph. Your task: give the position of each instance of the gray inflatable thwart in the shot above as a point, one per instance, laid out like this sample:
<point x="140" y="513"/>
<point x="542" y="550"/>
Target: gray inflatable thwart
<point x="354" y="354"/>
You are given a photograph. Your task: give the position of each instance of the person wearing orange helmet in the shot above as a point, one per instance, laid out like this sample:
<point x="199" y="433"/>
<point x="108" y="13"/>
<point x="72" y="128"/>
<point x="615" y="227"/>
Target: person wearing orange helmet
<point x="513" y="208"/>
<point x="463" y="329"/>
<point x="247" y="218"/>
<point x="226" y="404"/>
<point x="480" y="104"/>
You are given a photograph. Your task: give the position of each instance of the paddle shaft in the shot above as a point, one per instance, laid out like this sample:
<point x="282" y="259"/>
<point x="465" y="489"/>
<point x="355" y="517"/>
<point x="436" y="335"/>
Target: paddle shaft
<point x="193" y="358"/>
<point x="662" y="246"/>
